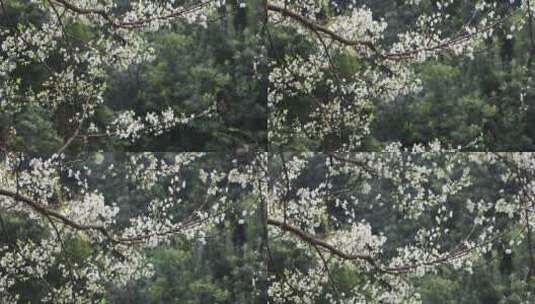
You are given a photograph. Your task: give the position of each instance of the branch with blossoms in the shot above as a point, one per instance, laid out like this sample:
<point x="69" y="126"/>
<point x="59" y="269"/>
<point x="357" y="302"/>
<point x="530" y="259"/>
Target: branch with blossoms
<point x="318" y="242"/>
<point x="324" y="206"/>
<point x="127" y="126"/>
<point x="157" y="12"/>
<point x="313" y="26"/>
<point x="384" y="69"/>
<point x="61" y="195"/>
<point x="77" y="84"/>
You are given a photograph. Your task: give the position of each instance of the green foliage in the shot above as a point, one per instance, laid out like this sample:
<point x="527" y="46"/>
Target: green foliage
<point x="177" y="284"/>
<point x="480" y="104"/>
<point x="34" y="121"/>
<point x="491" y="282"/>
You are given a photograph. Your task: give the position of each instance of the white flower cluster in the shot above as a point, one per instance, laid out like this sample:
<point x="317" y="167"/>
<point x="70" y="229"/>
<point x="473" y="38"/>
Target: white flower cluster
<point x="91" y="209"/>
<point x="359" y="26"/>
<point x="127" y="126"/>
<point x="359" y="240"/>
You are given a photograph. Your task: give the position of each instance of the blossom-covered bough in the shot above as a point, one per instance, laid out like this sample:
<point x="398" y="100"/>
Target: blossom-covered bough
<point x="342" y="227"/>
<point x="365" y="227"/>
<point x="333" y="61"/>
<point x="171" y="198"/>
<point x="71" y="45"/>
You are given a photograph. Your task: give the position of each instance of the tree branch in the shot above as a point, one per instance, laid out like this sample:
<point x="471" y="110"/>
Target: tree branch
<point x="129" y="24"/>
<point x="317" y="242"/>
<point x="84" y="11"/>
<point x="313" y="26"/>
<point x="51" y="213"/>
